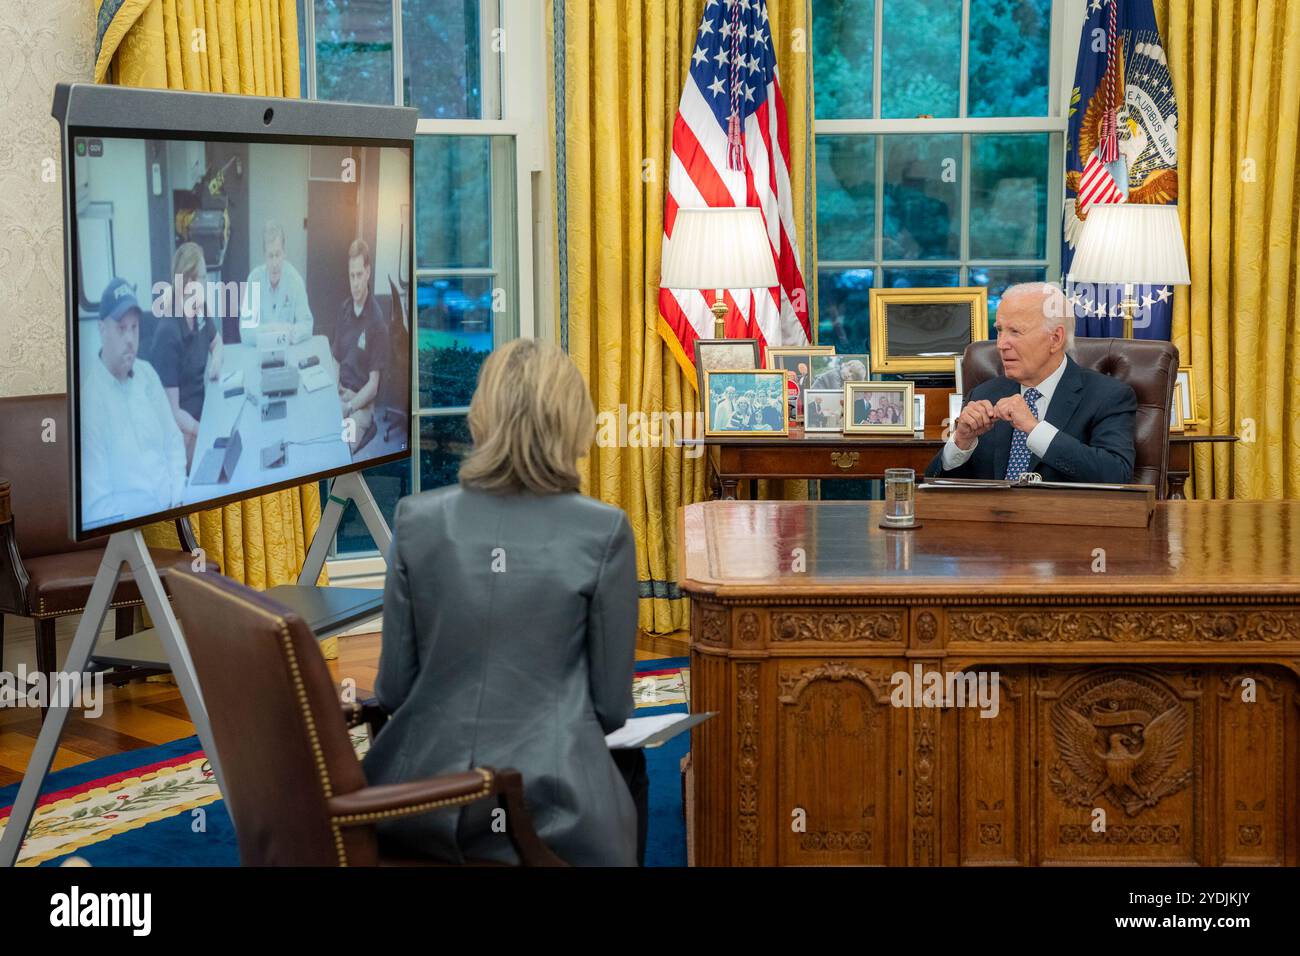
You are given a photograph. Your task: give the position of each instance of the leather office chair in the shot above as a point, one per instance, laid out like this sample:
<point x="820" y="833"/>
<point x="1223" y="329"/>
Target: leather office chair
<point x="1148" y="366"/>
<point x="44" y="573"/>
<point x="297" y="792"/>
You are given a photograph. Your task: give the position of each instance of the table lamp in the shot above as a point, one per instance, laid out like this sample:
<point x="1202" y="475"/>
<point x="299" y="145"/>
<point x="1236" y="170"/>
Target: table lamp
<point x="1132" y="244"/>
<point x="719" y="249"/>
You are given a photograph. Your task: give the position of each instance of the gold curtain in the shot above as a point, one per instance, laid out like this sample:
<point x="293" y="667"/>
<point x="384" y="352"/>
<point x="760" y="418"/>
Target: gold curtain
<point x="624" y="65"/>
<point x="1234" y="67"/>
<point x="219" y="46"/>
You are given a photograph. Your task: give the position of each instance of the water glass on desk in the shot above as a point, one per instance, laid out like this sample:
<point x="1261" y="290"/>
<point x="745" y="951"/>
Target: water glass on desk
<point x="900" y="497"/>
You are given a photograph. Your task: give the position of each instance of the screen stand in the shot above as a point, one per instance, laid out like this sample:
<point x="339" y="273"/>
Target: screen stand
<point x="350" y="487"/>
<point x="124" y="548"/>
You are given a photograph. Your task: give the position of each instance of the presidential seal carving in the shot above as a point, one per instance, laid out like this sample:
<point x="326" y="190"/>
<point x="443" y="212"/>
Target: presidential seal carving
<point x="1118" y="736"/>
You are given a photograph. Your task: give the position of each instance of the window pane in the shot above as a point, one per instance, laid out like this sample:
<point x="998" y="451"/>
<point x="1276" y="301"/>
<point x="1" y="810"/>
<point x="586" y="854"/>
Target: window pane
<point x="921" y="62"/>
<point x="843" y="309"/>
<point x="844" y="33"/>
<point x="453" y="202"/>
<point x="454" y="316"/>
<point x="302" y="48"/>
<point x="998" y="278"/>
<point x="921" y="278"/>
<point x="442" y="58"/>
<point x="444" y="441"/>
<point x="846" y="197"/>
<point x="1008" y="196"/>
<point x="387" y="483"/>
<point x="1010" y="55"/>
<point x="354" y="50"/>
<point x="922" y="197"/>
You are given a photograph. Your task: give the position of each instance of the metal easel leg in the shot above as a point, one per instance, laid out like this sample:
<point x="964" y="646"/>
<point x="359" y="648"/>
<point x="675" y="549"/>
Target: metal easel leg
<point x="350" y="487"/>
<point x="125" y="547"/>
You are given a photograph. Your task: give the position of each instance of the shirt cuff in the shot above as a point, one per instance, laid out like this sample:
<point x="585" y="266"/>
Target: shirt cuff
<point x="1040" y="438"/>
<point x="954" y="457"/>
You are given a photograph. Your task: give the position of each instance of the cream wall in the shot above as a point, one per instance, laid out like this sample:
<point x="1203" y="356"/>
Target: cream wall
<point x="42" y="42"/>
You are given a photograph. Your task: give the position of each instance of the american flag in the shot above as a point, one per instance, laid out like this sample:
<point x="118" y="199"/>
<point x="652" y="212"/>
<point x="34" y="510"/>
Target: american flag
<point x="1097" y="185"/>
<point x="716" y="162"/>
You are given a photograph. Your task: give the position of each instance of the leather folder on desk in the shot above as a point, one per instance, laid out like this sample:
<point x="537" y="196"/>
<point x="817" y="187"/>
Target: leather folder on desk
<point x="1035" y="502"/>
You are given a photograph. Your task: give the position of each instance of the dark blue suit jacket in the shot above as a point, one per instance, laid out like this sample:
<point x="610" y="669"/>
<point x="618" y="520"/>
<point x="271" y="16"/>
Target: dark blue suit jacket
<point x="1095" y="414"/>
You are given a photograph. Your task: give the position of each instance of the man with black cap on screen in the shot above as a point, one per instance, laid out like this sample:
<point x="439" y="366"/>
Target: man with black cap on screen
<point x="132" y="453"/>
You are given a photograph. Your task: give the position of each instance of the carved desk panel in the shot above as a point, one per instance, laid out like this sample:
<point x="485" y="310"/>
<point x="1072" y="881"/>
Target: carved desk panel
<point x="1147" y="702"/>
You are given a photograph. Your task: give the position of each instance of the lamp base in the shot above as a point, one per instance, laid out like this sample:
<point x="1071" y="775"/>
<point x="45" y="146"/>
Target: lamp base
<point x="1128" y="307"/>
<point x="719" y="310"/>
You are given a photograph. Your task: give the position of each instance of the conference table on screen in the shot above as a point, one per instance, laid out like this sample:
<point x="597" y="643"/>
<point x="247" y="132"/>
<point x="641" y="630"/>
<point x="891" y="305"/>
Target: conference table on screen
<point x="310" y="417"/>
<point x="1149" y="681"/>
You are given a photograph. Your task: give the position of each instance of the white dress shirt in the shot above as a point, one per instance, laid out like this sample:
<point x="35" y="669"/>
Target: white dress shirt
<point x="132" y="452"/>
<point x="1040" y="436"/>
<point x="282" y="304"/>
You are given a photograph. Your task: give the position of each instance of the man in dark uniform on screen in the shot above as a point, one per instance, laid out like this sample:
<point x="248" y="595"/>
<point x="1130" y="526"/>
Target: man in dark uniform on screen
<point x="360" y="349"/>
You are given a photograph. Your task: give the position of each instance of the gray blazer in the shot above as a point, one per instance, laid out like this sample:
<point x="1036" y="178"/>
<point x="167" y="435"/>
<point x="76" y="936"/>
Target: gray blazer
<point x="509" y="641"/>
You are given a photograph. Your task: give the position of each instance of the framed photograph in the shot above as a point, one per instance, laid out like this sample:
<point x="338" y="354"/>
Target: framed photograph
<point x="832" y="371"/>
<point x="823" y="410"/>
<point x="719" y="355"/>
<point x="796" y="362"/>
<point x="749" y="402"/>
<point x="878" y="408"/>
<point x="925" y="330"/>
<point x="955" y="403"/>
<point x="1175" y="410"/>
<point x="1189" y="396"/>
<point x="918" y="413"/>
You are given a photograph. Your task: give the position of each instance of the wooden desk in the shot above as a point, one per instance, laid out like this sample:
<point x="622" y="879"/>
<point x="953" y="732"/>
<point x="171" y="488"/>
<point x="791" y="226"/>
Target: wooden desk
<point x="856" y="456"/>
<point x="1123" y="692"/>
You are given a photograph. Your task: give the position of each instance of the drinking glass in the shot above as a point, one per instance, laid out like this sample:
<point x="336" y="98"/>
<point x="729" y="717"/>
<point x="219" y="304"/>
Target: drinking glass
<point x="900" y="497"/>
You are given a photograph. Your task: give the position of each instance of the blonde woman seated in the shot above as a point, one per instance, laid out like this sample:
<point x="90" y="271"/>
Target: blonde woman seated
<point x="510" y="615"/>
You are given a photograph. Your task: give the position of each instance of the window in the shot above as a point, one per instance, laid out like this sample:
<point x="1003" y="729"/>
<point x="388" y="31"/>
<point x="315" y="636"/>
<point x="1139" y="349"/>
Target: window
<point x="473" y="217"/>
<point x="939" y="150"/>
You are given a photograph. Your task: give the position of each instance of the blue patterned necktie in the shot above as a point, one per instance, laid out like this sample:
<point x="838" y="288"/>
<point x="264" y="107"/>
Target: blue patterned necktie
<point x="1018" y="463"/>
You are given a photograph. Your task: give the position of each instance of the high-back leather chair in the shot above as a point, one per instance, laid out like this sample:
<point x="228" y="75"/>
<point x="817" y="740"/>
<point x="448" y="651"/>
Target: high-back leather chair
<point x="1149" y="367"/>
<point x="295" y="789"/>
<point x="44" y="573"/>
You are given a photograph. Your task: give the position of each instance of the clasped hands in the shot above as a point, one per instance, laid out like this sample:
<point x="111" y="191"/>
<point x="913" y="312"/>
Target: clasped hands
<point x="981" y="415"/>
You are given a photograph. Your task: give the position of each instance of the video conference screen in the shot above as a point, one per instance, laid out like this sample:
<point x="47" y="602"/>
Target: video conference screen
<point x="242" y="319"/>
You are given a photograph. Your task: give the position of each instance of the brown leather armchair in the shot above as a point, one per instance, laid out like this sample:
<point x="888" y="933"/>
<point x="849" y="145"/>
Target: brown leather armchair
<point x="298" y="796"/>
<point x="44" y="573"/>
<point x="1149" y="367"/>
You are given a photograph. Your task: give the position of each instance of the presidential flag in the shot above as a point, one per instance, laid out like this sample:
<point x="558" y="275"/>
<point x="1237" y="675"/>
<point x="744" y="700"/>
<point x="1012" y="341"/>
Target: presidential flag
<point x="1121" y="147"/>
<point x="731" y="147"/>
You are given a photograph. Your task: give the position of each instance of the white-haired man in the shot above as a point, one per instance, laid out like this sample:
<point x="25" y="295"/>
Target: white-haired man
<point x="1044" y="413"/>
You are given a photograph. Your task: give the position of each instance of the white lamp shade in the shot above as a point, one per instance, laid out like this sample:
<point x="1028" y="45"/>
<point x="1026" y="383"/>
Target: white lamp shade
<point x="724" y="248"/>
<point x="1131" y="243"/>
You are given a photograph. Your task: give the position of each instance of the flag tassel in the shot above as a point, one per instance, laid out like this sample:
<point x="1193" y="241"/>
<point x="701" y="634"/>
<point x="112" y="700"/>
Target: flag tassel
<point x="735" y="144"/>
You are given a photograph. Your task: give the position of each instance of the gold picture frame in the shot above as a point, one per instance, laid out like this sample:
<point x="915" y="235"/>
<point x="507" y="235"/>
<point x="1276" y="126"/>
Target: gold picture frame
<point x="771" y="382"/>
<point x="899" y="423"/>
<point x="1176" y="421"/>
<point x="739" y="354"/>
<point x="945" y="309"/>
<point x="1185" y="380"/>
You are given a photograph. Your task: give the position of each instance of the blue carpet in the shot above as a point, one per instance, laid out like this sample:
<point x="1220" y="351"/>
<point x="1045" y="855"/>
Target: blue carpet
<point x="174" y="842"/>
